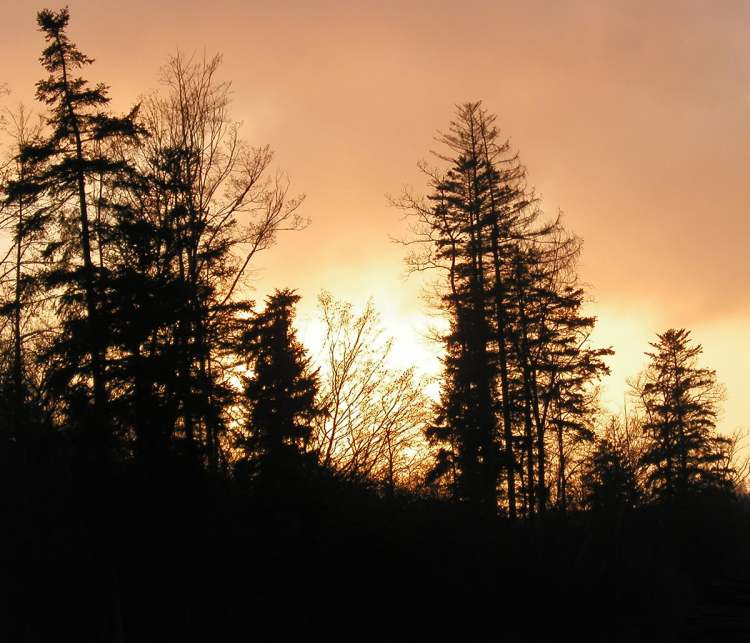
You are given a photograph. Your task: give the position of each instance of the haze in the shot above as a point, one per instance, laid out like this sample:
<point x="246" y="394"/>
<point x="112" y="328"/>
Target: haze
<point x="632" y="118"/>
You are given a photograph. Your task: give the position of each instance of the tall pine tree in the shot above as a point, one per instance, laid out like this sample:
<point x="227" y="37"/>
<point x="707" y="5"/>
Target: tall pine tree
<point x="78" y="170"/>
<point x="518" y="341"/>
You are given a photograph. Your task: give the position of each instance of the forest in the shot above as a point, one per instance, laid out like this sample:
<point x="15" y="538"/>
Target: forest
<point x="177" y="465"/>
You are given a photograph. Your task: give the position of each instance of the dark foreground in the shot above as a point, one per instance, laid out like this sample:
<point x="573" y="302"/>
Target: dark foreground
<point x="182" y="557"/>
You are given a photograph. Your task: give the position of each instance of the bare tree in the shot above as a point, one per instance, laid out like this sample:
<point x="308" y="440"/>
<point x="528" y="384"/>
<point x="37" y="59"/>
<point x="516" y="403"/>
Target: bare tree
<point x="23" y="216"/>
<point x="210" y="203"/>
<point x="375" y="414"/>
<point x="224" y="182"/>
<point x="735" y="461"/>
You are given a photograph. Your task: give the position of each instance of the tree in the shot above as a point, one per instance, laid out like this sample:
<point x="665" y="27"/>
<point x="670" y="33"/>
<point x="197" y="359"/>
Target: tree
<point x="75" y="161"/>
<point x="517" y="354"/>
<point x="280" y="389"/>
<point x="207" y="204"/>
<point x="452" y="433"/>
<point x="609" y="481"/>
<point x="463" y="228"/>
<point x="562" y="366"/>
<point x="680" y="400"/>
<point x="734" y="465"/>
<point x="371" y="431"/>
<point x="24" y="216"/>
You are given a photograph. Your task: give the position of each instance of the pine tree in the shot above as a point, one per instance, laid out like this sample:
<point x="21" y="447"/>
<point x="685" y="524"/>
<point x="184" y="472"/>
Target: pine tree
<point x="461" y="197"/>
<point x="517" y="350"/>
<point x="609" y="482"/>
<point x="280" y="391"/>
<point x="455" y="432"/>
<point x="558" y="363"/>
<point x="680" y="400"/>
<point x="76" y="162"/>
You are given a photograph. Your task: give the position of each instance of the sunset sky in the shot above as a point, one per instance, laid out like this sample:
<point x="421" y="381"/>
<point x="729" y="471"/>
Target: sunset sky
<point x="633" y="118"/>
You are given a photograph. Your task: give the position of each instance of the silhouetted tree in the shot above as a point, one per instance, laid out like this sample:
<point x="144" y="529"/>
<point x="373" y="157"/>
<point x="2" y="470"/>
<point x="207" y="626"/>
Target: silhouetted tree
<point x="280" y="390"/>
<point x="680" y="400"/>
<point x="734" y="465"/>
<point x="457" y="229"/>
<point x="517" y="352"/>
<point x="452" y="432"/>
<point x="563" y="368"/>
<point x="609" y="482"/>
<point x="24" y="216"/>
<point x="75" y="161"/>
<point x="206" y="207"/>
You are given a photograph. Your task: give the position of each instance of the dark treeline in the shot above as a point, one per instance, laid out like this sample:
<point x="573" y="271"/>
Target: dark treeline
<point x="176" y="465"/>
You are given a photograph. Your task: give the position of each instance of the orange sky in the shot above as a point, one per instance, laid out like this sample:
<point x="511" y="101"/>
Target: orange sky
<point x="631" y="117"/>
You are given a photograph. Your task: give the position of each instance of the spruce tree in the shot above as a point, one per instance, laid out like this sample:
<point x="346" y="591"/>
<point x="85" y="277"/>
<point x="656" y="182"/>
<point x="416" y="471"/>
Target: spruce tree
<point x="680" y="399"/>
<point x="517" y="350"/>
<point x="609" y="482"/>
<point x="558" y="365"/>
<point x="458" y="224"/>
<point x="77" y="160"/>
<point x="280" y="390"/>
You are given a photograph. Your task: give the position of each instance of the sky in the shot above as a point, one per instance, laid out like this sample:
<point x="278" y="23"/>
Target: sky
<point x="631" y="118"/>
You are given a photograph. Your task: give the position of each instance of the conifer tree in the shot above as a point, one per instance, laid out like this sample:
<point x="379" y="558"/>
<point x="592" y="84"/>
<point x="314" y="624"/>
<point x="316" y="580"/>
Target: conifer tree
<point x="558" y="364"/>
<point x="77" y="160"/>
<point x="280" y="391"/>
<point x="609" y="482"/>
<point x="463" y="228"/>
<point x="680" y="400"/>
<point x="517" y="340"/>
